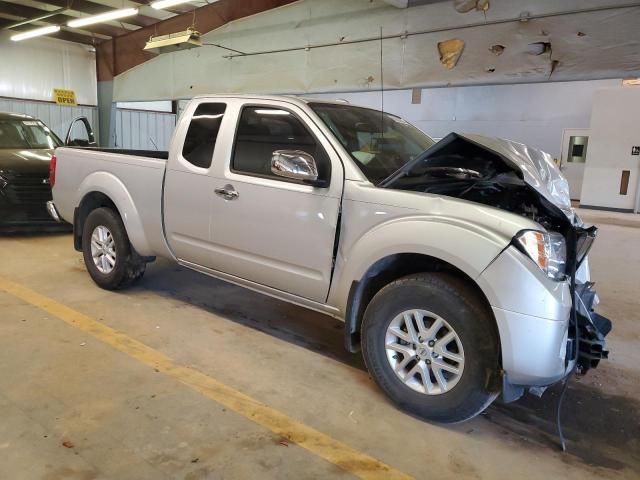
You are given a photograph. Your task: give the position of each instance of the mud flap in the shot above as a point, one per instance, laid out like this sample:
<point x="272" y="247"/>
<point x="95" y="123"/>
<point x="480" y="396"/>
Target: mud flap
<point x="593" y="329"/>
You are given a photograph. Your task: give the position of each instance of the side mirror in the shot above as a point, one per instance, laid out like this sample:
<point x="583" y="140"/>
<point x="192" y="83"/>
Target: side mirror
<point x="296" y="165"/>
<point x="89" y="138"/>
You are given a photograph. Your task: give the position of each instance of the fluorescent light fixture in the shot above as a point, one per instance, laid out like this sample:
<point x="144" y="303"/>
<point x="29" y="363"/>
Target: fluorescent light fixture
<point x="160" y="4"/>
<point x="103" y="17"/>
<point x="174" y="42"/>
<point x="35" y="33"/>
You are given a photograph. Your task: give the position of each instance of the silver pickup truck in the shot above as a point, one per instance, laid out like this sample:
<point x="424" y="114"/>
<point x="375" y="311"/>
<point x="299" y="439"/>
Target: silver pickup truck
<point x="458" y="267"/>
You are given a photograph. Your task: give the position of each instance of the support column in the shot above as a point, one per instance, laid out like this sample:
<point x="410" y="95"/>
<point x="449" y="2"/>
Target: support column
<point x="106" y="115"/>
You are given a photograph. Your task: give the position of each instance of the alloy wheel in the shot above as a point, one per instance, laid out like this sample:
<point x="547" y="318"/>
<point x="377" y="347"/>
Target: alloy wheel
<point x="424" y="351"/>
<point x="103" y="249"/>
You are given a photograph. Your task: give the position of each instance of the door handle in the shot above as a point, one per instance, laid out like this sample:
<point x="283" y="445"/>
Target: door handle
<point x="227" y="192"/>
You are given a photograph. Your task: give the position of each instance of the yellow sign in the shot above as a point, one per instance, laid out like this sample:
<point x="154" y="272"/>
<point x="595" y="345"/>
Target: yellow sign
<point x="64" y="97"/>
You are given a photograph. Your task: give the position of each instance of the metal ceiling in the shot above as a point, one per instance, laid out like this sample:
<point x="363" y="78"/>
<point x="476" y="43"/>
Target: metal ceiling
<point x="21" y="15"/>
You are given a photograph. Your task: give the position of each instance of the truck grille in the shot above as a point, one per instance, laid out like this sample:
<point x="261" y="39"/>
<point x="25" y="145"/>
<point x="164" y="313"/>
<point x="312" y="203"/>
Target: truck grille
<point x="26" y="189"/>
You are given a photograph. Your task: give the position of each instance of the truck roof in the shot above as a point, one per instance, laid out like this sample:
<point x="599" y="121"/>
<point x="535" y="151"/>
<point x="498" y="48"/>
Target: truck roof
<point x="14" y="116"/>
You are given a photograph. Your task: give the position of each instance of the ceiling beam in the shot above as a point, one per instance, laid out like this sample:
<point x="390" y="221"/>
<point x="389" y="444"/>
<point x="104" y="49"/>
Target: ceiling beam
<point x="120" y="54"/>
<point x="58" y="19"/>
<point x="42" y="16"/>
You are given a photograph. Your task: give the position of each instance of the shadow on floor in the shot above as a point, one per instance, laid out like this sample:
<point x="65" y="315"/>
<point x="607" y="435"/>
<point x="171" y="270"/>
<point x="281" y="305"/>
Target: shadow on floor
<point x="602" y="430"/>
<point x="312" y="330"/>
<point x="36" y="233"/>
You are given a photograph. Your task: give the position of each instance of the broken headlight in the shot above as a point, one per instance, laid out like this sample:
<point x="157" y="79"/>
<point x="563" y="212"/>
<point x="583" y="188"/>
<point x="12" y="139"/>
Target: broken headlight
<point x="547" y="249"/>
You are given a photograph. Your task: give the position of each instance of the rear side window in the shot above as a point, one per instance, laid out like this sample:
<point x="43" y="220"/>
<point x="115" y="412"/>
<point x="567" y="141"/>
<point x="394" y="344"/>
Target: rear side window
<point x="202" y="134"/>
<point x="263" y="130"/>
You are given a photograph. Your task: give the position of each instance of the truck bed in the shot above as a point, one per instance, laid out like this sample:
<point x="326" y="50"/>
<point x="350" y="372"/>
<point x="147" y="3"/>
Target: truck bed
<point x="136" y="191"/>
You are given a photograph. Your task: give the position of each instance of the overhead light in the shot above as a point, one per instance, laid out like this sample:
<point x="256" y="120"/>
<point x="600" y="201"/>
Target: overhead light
<point x="36" y="33"/>
<point x="160" y="4"/>
<point x="103" y="17"/>
<point x="174" y="42"/>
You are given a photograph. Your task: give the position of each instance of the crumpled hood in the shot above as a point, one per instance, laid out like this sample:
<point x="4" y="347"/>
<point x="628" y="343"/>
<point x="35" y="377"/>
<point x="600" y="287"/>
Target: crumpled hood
<point x="538" y="169"/>
<point x="23" y="161"/>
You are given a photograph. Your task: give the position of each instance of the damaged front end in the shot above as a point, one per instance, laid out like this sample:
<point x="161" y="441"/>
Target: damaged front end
<point x="592" y="327"/>
<point x="525" y="181"/>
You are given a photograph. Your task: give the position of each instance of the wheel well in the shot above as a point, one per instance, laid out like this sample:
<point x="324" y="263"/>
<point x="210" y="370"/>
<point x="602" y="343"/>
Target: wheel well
<point x="385" y="271"/>
<point x="90" y="202"/>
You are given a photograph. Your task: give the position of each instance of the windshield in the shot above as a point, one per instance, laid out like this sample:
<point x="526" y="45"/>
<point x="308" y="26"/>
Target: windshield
<point x="379" y="143"/>
<point x="26" y="134"/>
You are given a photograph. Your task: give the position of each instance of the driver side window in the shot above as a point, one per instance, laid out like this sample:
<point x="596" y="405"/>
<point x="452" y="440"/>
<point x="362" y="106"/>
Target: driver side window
<point x="262" y="131"/>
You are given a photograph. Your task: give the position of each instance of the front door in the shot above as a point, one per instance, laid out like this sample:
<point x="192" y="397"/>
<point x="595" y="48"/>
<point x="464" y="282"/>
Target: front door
<point x="268" y="229"/>
<point x="575" y="142"/>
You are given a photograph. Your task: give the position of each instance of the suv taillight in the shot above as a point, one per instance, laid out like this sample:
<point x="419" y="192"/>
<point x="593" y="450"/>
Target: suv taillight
<point x="52" y="171"/>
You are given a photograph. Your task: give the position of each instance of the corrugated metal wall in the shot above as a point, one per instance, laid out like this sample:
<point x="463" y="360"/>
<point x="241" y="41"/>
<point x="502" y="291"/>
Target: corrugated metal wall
<point x="56" y="117"/>
<point x="144" y="130"/>
<point x="534" y="114"/>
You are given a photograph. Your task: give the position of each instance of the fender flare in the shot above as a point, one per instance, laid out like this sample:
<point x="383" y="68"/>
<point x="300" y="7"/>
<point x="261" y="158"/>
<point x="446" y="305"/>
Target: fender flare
<point x="466" y="247"/>
<point x="111" y="186"/>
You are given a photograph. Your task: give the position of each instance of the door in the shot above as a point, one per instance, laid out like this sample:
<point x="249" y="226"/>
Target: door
<point x="80" y="134"/>
<point x="268" y="229"/>
<point x="188" y="191"/>
<point x="575" y="143"/>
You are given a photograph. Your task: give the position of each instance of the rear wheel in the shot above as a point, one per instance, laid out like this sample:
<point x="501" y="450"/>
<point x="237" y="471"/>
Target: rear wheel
<point x="431" y="344"/>
<point x="109" y="257"/>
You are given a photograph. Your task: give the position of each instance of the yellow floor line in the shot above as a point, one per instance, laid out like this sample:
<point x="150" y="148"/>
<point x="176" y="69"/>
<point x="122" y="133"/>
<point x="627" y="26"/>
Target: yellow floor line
<point x="316" y="442"/>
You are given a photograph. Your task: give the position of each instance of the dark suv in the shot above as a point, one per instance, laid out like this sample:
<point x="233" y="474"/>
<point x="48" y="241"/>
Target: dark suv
<point x="26" y="148"/>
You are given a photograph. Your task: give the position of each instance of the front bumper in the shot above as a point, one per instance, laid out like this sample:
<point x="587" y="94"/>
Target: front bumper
<point x="28" y="217"/>
<point x="23" y="203"/>
<point x="533" y="313"/>
<point x="534" y="350"/>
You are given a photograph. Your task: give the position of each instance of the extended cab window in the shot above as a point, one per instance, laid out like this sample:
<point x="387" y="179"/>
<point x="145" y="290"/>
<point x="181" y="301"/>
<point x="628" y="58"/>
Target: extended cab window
<point x="202" y="134"/>
<point x="263" y="130"/>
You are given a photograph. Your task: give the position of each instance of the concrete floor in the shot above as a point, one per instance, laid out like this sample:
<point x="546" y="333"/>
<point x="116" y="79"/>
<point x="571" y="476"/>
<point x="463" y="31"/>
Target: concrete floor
<point x="120" y="419"/>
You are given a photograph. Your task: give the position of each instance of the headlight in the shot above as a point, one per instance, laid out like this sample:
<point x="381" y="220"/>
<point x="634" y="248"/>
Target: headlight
<point x="547" y="250"/>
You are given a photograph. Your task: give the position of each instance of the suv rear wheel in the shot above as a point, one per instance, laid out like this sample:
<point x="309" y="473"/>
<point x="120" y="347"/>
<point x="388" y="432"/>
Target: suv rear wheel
<point x="109" y="257"/>
<point x="431" y="344"/>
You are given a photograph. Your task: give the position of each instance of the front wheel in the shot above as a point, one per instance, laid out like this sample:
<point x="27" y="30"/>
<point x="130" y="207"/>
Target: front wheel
<point x="109" y="257"/>
<point x="431" y="344"/>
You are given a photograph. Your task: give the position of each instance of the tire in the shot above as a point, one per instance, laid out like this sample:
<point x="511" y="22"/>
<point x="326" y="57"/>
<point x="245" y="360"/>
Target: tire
<point x="475" y="347"/>
<point x="127" y="266"/>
